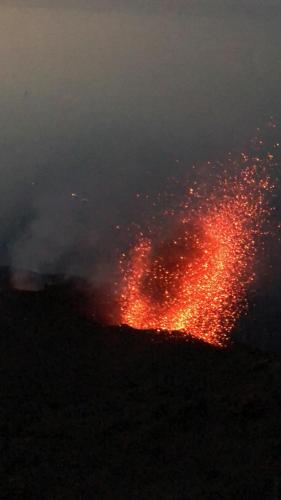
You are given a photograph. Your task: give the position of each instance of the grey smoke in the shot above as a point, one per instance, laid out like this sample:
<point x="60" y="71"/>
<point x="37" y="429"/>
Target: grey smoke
<point x="103" y="105"/>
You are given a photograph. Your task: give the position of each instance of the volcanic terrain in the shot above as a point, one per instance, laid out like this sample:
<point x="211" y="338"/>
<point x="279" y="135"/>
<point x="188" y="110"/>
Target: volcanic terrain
<point x="89" y="411"/>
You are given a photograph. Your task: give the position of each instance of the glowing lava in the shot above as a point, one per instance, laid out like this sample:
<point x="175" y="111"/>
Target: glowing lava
<point x="195" y="279"/>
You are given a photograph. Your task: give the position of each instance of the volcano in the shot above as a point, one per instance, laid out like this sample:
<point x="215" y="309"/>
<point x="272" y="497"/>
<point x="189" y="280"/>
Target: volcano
<point x="195" y="280"/>
<point x="110" y="412"/>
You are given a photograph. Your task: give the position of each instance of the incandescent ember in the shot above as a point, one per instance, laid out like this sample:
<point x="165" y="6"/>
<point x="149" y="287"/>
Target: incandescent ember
<point x="195" y="280"/>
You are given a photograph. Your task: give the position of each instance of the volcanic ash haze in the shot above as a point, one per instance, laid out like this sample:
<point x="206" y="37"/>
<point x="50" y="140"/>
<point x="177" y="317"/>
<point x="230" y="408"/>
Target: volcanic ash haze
<point x="106" y="102"/>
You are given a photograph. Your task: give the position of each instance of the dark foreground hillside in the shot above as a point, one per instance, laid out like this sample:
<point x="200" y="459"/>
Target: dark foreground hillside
<point x="109" y="413"/>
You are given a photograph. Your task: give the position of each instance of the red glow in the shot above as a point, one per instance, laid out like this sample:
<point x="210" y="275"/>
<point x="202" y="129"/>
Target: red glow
<point x="195" y="280"/>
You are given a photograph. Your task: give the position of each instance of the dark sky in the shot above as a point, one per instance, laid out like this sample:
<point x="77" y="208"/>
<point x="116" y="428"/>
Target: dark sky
<point x="104" y="102"/>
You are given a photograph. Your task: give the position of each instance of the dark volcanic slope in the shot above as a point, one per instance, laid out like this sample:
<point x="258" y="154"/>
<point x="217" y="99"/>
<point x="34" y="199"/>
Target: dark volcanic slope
<point x="90" y="412"/>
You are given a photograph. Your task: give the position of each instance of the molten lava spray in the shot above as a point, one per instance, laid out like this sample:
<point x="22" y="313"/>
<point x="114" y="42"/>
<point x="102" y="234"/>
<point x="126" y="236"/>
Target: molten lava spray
<point x="195" y="279"/>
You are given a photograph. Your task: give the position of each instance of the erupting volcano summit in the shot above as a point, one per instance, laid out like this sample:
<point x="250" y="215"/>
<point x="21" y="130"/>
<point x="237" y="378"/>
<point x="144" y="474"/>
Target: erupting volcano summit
<point x="195" y="279"/>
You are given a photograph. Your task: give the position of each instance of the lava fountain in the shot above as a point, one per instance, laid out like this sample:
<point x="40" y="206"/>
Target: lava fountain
<point x="195" y="278"/>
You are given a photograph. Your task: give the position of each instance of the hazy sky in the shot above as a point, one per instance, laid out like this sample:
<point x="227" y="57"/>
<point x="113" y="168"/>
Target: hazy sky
<point x="106" y="102"/>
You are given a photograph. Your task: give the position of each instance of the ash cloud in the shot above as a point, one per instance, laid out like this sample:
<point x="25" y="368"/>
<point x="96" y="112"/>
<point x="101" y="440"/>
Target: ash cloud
<point x="98" y="106"/>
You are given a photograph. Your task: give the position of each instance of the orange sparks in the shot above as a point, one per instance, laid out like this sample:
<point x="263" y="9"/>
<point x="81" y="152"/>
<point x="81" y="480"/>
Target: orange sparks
<point x="195" y="280"/>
